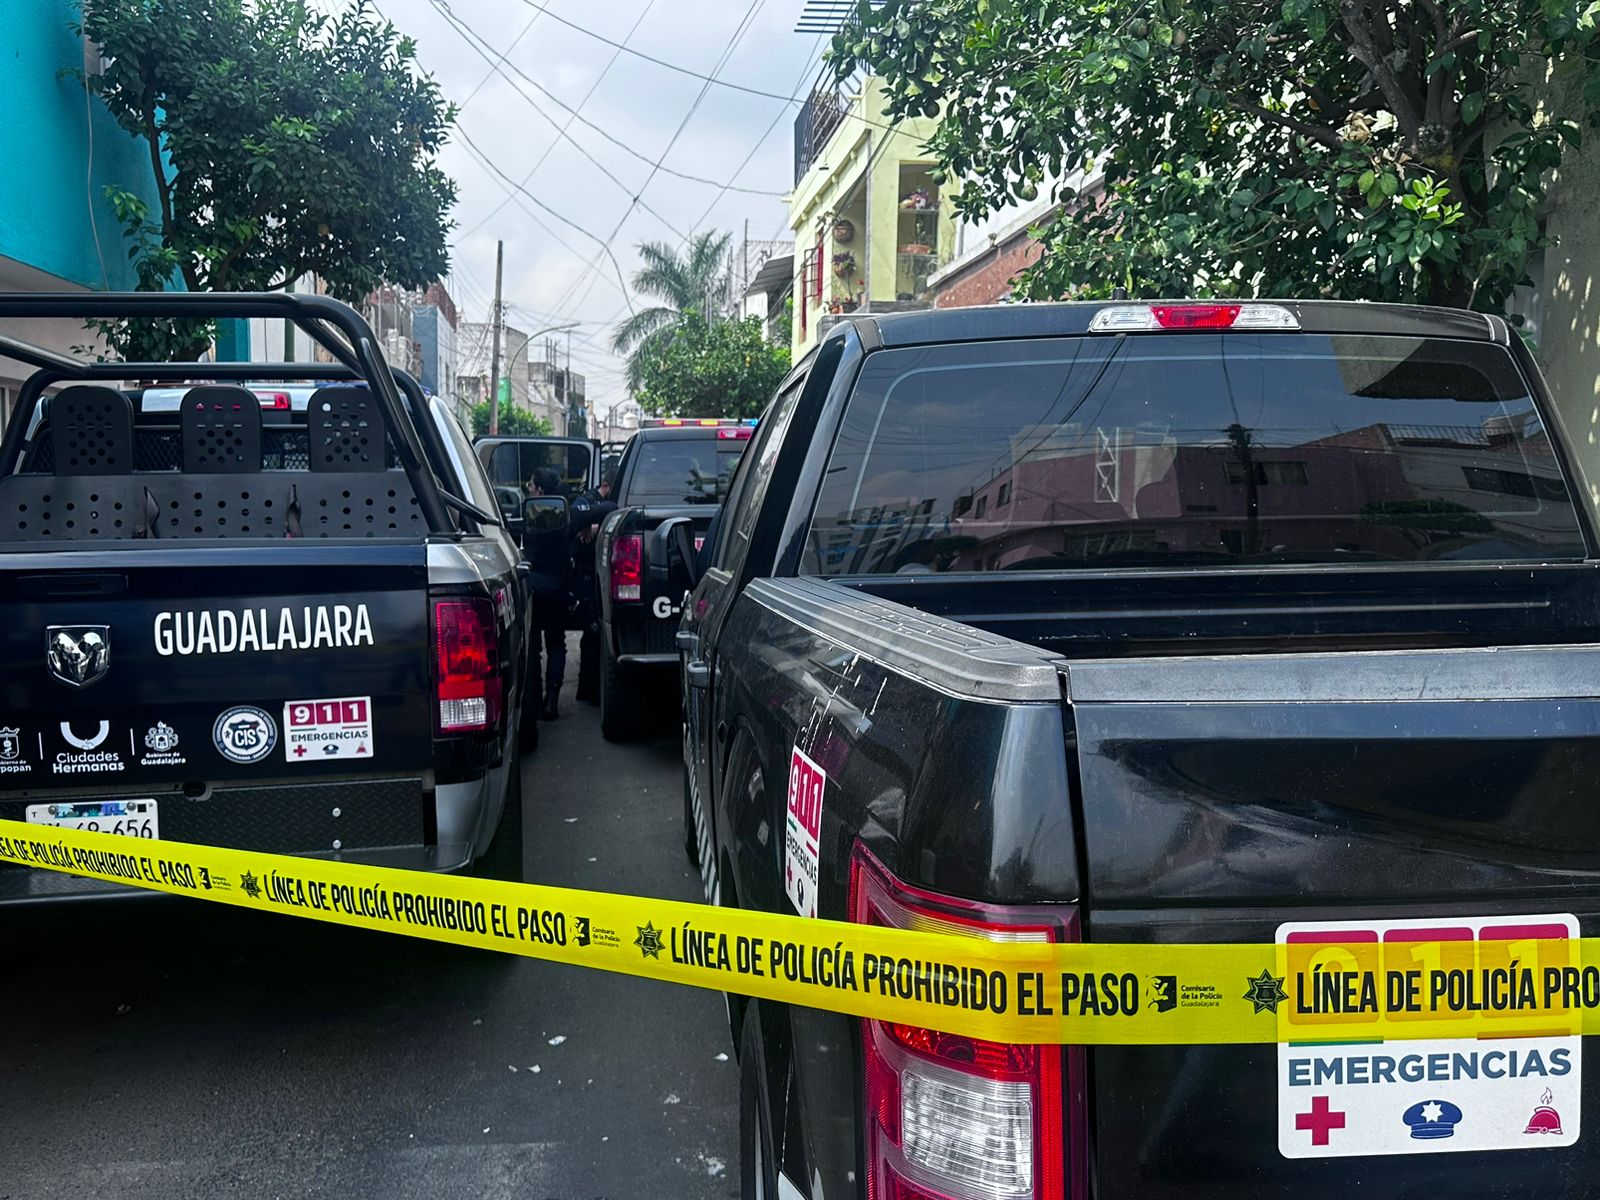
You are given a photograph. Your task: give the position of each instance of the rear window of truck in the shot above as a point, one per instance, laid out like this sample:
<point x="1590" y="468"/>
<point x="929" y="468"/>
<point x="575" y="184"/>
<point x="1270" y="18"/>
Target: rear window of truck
<point x="1203" y="449"/>
<point x="680" y="470"/>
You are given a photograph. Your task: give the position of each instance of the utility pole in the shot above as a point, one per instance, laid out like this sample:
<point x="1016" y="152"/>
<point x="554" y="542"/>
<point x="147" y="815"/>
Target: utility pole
<point x="494" y="357"/>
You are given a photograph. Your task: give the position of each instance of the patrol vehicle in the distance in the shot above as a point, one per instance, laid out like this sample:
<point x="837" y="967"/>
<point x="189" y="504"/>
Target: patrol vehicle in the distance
<point x="1182" y="622"/>
<point x="250" y="620"/>
<point x="674" y="469"/>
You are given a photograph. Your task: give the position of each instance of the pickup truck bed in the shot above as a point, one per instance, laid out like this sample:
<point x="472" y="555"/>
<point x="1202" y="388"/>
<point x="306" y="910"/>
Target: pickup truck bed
<point x="210" y="639"/>
<point x="1163" y="674"/>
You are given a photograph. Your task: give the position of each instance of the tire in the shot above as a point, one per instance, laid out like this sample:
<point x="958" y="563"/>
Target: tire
<point x="503" y="859"/>
<point x="619" y="718"/>
<point x="758" y="1166"/>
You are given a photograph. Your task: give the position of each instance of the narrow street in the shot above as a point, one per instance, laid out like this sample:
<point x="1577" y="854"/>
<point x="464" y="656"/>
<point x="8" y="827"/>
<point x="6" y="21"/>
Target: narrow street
<point x="158" y="1049"/>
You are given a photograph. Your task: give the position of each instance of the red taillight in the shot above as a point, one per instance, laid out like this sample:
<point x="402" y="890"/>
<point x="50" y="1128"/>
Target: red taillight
<point x="627" y="567"/>
<point x="1195" y="316"/>
<point x="274" y="400"/>
<point x="959" y="1118"/>
<point x="742" y="434"/>
<point x="467" y="665"/>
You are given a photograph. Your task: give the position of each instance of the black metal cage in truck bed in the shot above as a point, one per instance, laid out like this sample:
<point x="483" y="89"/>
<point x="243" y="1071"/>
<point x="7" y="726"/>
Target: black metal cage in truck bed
<point x="85" y="463"/>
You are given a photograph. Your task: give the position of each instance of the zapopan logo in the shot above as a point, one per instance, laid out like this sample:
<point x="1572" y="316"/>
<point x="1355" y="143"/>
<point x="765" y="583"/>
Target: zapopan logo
<point x="78" y="655"/>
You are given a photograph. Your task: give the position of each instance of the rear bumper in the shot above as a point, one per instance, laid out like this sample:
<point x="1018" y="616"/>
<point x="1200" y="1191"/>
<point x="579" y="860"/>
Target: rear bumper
<point x="379" y="822"/>
<point x="19" y="885"/>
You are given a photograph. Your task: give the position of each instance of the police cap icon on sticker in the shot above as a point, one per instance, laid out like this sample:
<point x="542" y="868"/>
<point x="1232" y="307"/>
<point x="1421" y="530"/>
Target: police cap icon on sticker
<point x="244" y="734"/>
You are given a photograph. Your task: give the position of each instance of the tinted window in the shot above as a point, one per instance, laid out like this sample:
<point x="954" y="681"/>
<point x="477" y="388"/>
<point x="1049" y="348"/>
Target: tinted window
<point x="682" y="470"/>
<point x="757" y="474"/>
<point x="1210" y="449"/>
<point x="513" y="463"/>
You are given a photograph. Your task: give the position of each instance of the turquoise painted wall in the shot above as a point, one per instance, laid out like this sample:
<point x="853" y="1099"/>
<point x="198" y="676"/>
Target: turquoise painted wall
<point x="47" y="187"/>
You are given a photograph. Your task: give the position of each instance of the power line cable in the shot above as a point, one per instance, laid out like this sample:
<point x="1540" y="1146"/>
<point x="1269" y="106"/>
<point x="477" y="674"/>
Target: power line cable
<point x="490" y="73"/>
<point x="722" y="59"/>
<point x="661" y="62"/>
<point x="799" y="86"/>
<point x="571" y="117"/>
<point x="604" y="246"/>
<point x="462" y="27"/>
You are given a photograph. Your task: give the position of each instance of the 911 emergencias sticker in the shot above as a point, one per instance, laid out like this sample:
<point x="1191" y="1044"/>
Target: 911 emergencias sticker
<point x="802" y="829"/>
<point x="328" y="730"/>
<point x="1364" y="1095"/>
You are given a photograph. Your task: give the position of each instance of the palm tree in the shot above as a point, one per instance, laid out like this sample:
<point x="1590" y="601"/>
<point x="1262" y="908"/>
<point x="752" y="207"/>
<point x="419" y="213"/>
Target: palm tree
<point x="680" y="282"/>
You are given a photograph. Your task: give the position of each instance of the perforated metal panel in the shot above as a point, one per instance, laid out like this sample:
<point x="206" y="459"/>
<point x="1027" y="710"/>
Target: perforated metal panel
<point x="376" y="506"/>
<point x="92" y="430"/>
<point x="347" y="434"/>
<point x="69" y="508"/>
<point x="221" y="431"/>
<point x="42" y="508"/>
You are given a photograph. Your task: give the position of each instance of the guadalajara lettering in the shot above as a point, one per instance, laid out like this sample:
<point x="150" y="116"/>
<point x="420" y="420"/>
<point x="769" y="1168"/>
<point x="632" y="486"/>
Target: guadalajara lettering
<point x="250" y="630"/>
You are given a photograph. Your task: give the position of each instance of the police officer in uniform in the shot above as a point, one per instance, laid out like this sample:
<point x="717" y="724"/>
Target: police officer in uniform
<point x="549" y="552"/>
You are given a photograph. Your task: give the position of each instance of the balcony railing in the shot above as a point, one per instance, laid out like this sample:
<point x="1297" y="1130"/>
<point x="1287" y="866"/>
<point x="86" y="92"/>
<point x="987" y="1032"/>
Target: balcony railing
<point x="821" y="114"/>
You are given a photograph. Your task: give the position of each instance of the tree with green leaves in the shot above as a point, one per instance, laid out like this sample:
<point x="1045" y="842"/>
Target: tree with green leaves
<point x="283" y="142"/>
<point x="681" y="282"/>
<point x="514" y="421"/>
<point x="716" y="369"/>
<point x="1376" y="149"/>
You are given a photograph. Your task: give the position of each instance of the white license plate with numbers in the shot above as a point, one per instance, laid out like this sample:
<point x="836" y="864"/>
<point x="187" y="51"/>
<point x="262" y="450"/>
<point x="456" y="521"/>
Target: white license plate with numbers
<point x="132" y="818"/>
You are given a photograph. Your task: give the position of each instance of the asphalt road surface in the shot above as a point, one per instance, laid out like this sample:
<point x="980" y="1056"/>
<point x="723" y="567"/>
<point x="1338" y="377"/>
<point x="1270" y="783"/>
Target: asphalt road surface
<point x="163" y="1048"/>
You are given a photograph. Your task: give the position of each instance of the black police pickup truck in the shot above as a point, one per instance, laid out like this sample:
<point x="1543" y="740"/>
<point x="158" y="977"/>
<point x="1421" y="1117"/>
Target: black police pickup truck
<point x="245" y="621"/>
<point x="1154" y="623"/>
<point x="676" y="473"/>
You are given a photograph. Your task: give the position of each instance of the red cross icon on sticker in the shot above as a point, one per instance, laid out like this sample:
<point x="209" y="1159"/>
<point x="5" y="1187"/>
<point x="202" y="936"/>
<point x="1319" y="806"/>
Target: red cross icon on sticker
<point x="299" y="751"/>
<point x="1320" y="1120"/>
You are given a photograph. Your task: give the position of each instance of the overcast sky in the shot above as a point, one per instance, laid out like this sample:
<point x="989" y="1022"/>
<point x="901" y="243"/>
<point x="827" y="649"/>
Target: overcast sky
<point x="548" y="277"/>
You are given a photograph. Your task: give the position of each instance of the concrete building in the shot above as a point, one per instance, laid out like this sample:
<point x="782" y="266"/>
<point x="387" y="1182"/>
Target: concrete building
<point x="871" y="224"/>
<point x="57" y="229"/>
<point x="433" y="325"/>
<point x="768" y="293"/>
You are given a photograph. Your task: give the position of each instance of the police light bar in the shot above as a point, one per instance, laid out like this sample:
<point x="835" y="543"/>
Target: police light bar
<point x="1142" y="318"/>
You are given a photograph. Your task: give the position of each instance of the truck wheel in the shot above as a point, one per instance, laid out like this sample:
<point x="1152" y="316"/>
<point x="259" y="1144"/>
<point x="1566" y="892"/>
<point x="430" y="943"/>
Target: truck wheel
<point x="758" y="1168"/>
<point x="503" y="859"/>
<point x="619" y="719"/>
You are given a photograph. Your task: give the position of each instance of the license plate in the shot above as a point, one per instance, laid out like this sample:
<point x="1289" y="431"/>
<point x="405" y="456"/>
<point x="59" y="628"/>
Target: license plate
<point x="133" y="818"/>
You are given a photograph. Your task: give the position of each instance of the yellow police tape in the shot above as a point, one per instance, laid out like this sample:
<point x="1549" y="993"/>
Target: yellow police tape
<point x="1092" y="994"/>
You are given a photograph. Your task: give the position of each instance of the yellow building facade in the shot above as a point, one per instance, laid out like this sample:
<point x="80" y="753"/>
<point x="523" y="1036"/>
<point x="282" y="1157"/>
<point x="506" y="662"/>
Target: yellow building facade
<point x="871" y="224"/>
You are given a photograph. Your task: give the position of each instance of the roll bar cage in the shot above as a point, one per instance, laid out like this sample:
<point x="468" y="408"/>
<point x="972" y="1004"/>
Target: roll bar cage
<point x="332" y="324"/>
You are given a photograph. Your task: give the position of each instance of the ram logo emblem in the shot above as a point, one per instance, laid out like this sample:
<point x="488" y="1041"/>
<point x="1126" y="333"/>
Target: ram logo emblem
<point x="78" y="655"/>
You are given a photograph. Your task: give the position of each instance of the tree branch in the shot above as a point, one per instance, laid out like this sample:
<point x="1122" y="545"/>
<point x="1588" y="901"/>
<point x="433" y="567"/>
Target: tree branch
<point x="1371" y="52"/>
<point x="164" y="187"/>
<point x="1317" y="133"/>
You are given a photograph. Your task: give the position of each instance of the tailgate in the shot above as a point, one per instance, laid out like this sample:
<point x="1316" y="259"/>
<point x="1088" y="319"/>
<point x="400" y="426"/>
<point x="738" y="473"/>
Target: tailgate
<point x="1227" y="799"/>
<point x="196" y="666"/>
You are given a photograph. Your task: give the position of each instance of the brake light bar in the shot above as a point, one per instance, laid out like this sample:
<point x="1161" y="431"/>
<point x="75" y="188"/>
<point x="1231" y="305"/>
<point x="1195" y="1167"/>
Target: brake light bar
<point x="274" y="400"/>
<point x="958" y="1118"/>
<point x="1139" y="318"/>
<point x="467" y="667"/>
<point x="741" y="434"/>
<point x="627" y="567"/>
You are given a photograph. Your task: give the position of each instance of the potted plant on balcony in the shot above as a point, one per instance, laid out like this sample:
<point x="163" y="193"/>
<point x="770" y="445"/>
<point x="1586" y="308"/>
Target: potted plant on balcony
<point x="844" y="263"/>
<point x="844" y="230"/>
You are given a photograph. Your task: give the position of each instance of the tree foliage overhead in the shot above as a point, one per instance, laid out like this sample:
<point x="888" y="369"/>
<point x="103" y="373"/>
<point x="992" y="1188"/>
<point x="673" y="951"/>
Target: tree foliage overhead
<point x="1379" y="149"/>
<point x="721" y="369"/>
<point x="514" y="421"/>
<point x="680" y="282"/>
<point x="283" y="142"/>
